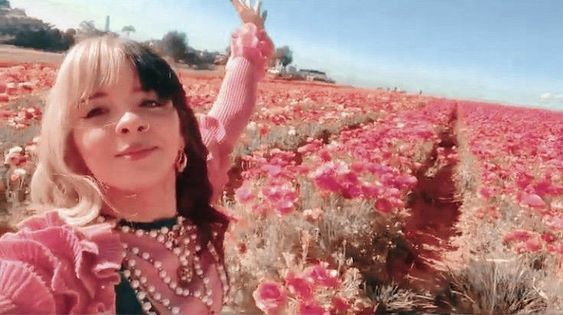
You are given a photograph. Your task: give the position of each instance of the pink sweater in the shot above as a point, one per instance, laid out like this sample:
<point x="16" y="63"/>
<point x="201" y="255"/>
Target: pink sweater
<point x="51" y="267"/>
<point x="228" y="117"/>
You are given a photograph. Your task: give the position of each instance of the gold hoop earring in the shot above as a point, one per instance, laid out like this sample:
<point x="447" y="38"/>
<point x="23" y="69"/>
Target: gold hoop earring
<point x="181" y="161"/>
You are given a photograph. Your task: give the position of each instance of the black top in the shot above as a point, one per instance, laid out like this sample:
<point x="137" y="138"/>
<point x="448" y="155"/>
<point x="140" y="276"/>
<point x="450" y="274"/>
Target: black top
<point x="125" y="298"/>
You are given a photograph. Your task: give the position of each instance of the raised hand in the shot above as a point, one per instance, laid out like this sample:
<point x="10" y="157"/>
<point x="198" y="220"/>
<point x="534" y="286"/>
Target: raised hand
<point x="249" y="13"/>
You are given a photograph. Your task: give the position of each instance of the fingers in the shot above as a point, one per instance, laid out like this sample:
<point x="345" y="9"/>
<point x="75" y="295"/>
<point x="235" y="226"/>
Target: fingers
<point x="264" y="15"/>
<point x="257" y="7"/>
<point x="237" y="5"/>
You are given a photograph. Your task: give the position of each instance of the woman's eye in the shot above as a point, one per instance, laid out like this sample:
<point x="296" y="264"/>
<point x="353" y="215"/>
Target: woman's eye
<point x="94" y="112"/>
<point x="151" y="103"/>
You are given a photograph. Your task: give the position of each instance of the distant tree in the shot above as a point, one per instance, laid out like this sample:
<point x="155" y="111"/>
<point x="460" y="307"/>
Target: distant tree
<point x="284" y="55"/>
<point x="87" y="27"/>
<point x="175" y="45"/>
<point x="128" y="29"/>
<point x="70" y="36"/>
<point x="16" y="28"/>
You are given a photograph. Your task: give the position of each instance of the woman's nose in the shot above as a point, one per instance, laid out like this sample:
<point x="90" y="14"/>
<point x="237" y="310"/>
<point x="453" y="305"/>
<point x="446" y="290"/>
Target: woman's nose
<point x="131" y="122"/>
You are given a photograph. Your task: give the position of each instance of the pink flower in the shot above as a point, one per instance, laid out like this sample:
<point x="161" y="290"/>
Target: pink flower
<point x="518" y="235"/>
<point x="383" y="205"/>
<point x="339" y="304"/>
<point x="270" y="297"/>
<point x="311" y="308"/>
<point x="533" y="245"/>
<point x="299" y="287"/>
<point x="322" y="276"/>
<point x="244" y="194"/>
<point x="555" y="222"/>
<point x="282" y="197"/>
<point x="531" y="200"/>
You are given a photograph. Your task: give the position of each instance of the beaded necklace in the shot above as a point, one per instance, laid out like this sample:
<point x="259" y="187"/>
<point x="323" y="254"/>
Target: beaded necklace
<point x="176" y="240"/>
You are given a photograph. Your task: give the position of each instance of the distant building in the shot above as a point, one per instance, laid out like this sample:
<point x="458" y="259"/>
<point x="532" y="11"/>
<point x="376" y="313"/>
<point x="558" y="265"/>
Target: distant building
<point x="314" y="75"/>
<point x="291" y="72"/>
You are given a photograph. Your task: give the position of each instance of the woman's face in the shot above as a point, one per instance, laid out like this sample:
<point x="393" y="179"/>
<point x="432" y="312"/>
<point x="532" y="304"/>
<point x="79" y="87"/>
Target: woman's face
<point x="127" y="137"/>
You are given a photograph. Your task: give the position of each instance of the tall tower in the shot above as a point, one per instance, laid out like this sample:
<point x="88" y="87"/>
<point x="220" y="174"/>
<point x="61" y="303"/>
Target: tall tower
<point x="107" y="23"/>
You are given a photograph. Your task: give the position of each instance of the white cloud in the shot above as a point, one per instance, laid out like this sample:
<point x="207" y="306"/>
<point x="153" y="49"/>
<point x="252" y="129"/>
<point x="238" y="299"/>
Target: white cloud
<point x="551" y="98"/>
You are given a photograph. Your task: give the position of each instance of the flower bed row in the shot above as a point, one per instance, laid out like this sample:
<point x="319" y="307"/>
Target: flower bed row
<point x="339" y="205"/>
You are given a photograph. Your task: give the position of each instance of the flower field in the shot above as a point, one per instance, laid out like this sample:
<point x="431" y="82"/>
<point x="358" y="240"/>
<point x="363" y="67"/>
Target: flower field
<point x="357" y="201"/>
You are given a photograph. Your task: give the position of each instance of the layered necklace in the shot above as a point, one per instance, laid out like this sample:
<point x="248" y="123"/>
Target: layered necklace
<point x="177" y="240"/>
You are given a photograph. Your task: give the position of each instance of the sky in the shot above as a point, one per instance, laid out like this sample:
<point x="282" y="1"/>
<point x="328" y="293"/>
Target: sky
<point x="508" y="51"/>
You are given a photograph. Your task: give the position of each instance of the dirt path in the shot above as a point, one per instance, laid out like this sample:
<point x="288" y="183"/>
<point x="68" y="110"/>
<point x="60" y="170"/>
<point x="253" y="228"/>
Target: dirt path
<point x="435" y="210"/>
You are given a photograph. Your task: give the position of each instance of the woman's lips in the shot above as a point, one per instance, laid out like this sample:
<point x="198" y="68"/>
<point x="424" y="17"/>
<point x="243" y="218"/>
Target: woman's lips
<point x="137" y="155"/>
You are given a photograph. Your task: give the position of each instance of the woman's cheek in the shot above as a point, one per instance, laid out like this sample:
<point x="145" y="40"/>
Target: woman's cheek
<point x="93" y="144"/>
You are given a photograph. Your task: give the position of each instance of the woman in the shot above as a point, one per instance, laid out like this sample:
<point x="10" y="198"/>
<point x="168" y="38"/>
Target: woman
<point x="126" y="180"/>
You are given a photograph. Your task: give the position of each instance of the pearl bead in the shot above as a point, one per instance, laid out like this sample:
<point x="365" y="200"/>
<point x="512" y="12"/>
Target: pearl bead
<point x="197" y="293"/>
<point x="145" y="255"/>
<point x="139" y="233"/>
<point x="151" y="289"/>
<point x="165" y="302"/>
<point x="168" y="244"/>
<point x="125" y="229"/>
<point x="167" y="280"/>
<point x="164" y="230"/>
<point x="179" y="291"/>
<point x="175" y="310"/>
<point x="137" y="272"/>
<point x="143" y="279"/>
<point x="193" y="236"/>
<point x="132" y="263"/>
<point x="124" y="245"/>
<point x="141" y="295"/>
<point x="127" y="273"/>
<point x="173" y="285"/>
<point x="177" y="251"/>
<point x="186" y="292"/>
<point x="162" y="273"/>
<point x="135" y="250"/>
<point x="157" y="264"/>
<point x="152" y="234"/>
<point x="184" y="263"/>
<point x="206" y="280"/>
<point x="160" y="238"/>
<point x="186" y="241"/>
<point x="209" y="302"/>
<point x="157" y="296"/>
<point x="147" y="306"/>
<point x="197" y="248"/>
<point x="135" y="284"/>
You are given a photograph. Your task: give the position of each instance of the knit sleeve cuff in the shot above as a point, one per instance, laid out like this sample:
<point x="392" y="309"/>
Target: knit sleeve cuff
<point x="253" y="44"/>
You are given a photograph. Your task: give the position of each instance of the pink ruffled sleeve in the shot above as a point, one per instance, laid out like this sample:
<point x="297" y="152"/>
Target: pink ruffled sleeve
<point x="222" y="126"/>
<point x="252" y="44"/>
<point x="49" y="267"/>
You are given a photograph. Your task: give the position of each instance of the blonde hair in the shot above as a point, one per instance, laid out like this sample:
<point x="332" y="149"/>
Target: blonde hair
<point x="56" y="185"/>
